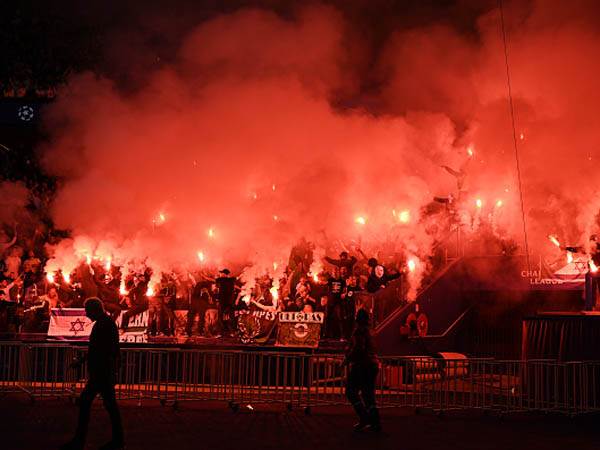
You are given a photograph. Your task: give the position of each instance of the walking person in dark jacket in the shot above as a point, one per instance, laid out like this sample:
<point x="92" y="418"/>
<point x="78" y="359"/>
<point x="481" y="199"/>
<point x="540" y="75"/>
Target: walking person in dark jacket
<point x="103" y="364"/>
<point x="362" y="373"/>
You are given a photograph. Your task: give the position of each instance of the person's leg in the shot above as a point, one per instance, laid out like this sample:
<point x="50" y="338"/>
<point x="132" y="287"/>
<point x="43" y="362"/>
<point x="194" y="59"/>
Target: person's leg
<point x="161" y="321"/>
<point x="368" y="396"/>
<point x="352" y="394"/>
<point x="226" y="319"/>
<point x="349" y="321"/>
<point x="191" y="315"/>
<point x="170" y="314"/>
<point x="339" y="321"/>
<point x="588" y="291"/>
<point x="111" y="406"/>
<point x="211" y="322"/>
<point x="330" y="319"/>
<point x="85" y="405"/>
<point x="202" y="308"/>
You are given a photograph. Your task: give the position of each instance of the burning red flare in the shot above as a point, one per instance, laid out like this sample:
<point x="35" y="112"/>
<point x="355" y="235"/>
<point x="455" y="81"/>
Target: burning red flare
<point x="554" y="240"/>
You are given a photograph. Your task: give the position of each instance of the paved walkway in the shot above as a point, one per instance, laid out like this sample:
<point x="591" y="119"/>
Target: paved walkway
<point x="46" y="424"/>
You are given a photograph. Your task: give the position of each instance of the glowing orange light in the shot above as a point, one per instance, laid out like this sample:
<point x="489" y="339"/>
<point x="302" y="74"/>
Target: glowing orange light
<point x="67" y="278"/>
<point x="88" y="259"/>
<point x="569" y="257"/>
<point x="162" y="217"/>
<point x="122" y="289"/>
<point x="499" y="204"/>
<point x="211" y="233"/>
<point x="470" y="151"/>
<point x="404" y="216"/>
<point x="273" y="187"/>
<point x="522" y="136"/>
<point x="554" y="240"/>
<point x="149" y="291"/>
<point x="412" y="265"/>
<point x="593" y="266"/>
<point x="274" y="293"/>
<point x="275" y="265"/>
<point x="108" y="264"/>
<point x="315" y="277"/>
<point x="479" y="203"/>
<point x="201" y="256"/>
<point x="50" y="277"/>
<point x="275" y="217"/>
<point x="360" y="220"/>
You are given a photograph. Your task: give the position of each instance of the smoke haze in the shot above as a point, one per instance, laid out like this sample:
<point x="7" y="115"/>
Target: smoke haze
<point x="244" y="142"/>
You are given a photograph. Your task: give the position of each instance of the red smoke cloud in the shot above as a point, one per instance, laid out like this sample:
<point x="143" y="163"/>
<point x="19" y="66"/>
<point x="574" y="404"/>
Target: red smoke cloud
<point x="239" y="136"/>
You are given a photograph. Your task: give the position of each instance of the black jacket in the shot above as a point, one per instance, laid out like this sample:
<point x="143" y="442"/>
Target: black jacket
<point x="374" y="283"/>
<point x="103" y="351"/>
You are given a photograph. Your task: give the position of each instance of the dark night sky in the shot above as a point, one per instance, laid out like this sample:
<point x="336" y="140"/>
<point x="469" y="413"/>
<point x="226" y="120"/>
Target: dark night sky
<point x="124" y="39"/>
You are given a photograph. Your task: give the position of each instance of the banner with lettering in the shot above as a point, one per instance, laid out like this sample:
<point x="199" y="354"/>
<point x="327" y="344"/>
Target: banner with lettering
<point x="69" y="324"/>
<point x="255" y="326"/>
<point x="136" y="328"/>
<point x="298" y="329"/>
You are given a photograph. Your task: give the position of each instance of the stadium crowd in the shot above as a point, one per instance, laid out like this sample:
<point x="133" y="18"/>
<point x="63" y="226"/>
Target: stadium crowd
<point x="210" y="296"/>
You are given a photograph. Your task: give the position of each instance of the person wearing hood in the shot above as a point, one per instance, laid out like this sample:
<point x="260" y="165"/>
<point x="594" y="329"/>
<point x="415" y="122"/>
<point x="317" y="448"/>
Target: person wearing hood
<point x="379" y="279"/>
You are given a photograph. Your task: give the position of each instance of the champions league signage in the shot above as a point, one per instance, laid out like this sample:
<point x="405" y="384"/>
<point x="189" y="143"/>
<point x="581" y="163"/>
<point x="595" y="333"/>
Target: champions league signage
<point x="569" y="276"/>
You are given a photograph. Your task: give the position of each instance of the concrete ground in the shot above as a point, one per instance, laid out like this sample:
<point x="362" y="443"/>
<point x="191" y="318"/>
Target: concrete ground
<point x="45" y="424"/>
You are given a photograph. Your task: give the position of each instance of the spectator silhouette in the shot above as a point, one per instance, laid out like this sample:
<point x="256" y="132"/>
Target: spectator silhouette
<point x="103" y="363"/>
<point x="362" y="374"/>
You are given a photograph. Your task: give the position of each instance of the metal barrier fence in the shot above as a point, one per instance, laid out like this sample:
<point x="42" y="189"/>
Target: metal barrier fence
<point x="309" y="380"/>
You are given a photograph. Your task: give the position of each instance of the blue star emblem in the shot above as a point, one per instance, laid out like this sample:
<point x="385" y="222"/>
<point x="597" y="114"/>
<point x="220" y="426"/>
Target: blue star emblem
<point x="77" y="326"/>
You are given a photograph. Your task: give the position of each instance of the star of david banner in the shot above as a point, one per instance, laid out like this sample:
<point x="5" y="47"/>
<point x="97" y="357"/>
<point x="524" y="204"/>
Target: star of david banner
<point x="69" y="324"/>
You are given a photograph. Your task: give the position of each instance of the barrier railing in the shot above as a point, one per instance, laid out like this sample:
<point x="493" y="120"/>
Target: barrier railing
<point x="309" y="380"/>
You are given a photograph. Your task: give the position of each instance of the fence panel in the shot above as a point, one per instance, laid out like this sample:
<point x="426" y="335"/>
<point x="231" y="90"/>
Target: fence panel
<point x="247" y="378"/>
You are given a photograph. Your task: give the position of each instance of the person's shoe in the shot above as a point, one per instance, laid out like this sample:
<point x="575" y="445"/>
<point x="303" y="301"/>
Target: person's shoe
<point x="72" y="445"/>
<point x="373" y="419"/>
<point x="375" y="427"/>
<point x="360" y="426"/>
<point x="113" y="445"/>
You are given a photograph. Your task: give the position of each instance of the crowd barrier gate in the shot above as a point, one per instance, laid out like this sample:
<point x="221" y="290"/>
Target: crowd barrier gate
<point x="302" y="380"/>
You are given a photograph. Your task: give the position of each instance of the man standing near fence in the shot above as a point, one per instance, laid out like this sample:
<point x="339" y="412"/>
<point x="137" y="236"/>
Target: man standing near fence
<point x="362" y="373"/>
<point x="103" y="364"/>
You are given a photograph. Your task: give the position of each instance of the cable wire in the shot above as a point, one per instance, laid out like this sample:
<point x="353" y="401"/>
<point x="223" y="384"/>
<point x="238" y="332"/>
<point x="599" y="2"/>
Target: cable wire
<point x="514" y="129"/>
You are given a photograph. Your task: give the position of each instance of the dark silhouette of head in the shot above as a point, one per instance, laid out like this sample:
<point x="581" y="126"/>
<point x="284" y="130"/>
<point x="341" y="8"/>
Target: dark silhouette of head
<point x="362" y="318"/>
<point x="94" y="308"/>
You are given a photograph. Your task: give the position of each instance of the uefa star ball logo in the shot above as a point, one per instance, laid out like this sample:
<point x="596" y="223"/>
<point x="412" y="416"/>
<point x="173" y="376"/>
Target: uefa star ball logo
<point x="25" y="113"/>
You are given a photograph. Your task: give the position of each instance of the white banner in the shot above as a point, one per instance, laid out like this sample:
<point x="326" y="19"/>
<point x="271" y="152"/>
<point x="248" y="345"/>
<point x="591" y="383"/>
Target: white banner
<point x="69" y="323"/>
